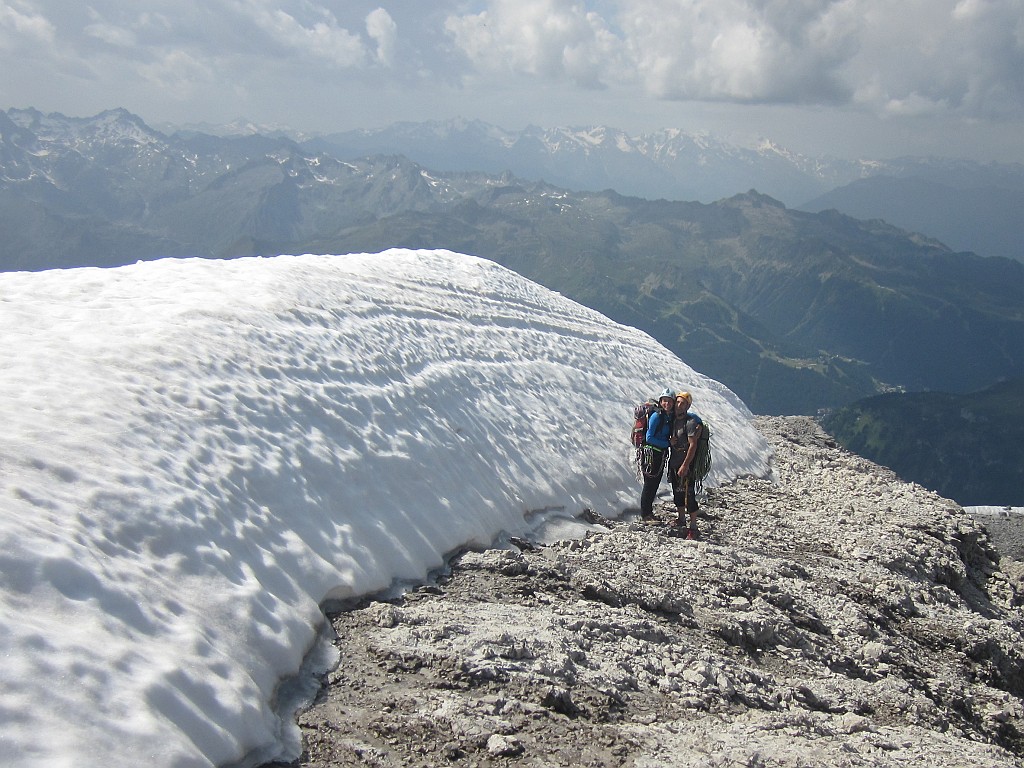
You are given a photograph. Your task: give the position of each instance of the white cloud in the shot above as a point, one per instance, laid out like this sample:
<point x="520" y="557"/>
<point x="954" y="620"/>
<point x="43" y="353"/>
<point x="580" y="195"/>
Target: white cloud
<point x="383" y="30"/>
<point x="738" y="50"/>
<point x="961" y="55"/>
<point x="965" y="58"/>
<point x="21" y="23"/>
<point x="725" y="50"/>
<point x="177" y="73"/>
<point x="548" y="38"/>
<point x="323" y="38"/>
<point x="111" y="34"/>
<point x="659" y="62"/>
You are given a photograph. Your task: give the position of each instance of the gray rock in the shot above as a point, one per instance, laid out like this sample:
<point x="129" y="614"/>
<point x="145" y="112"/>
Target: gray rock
<point x="834" y="617"/>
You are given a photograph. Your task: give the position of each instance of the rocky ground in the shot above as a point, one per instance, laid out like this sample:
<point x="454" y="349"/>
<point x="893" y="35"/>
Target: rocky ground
<point x="834" y="617"/>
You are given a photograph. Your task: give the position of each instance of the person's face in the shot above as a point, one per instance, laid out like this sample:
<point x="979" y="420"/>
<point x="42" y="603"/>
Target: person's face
<point x="682" y="403"/>
<point x="666" y="403"/>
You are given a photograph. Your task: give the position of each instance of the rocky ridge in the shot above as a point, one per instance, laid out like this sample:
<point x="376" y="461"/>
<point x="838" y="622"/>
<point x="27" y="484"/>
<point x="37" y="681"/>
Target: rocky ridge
<point x="833" y="616"/>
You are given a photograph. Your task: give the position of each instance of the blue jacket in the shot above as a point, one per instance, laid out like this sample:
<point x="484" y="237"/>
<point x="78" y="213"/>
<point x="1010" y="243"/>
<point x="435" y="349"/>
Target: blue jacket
<point x="659" y="429"/>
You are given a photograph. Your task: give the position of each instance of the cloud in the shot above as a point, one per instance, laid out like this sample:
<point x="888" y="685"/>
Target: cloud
<point x="728" y="50"/>
<point x="962" y="56"/>
<point x="177" y="74"/>
<point x="21" y="24"/>
<point x="268" y="33"/>
<point x="541" y="61"/>
<point x="383" y="30"/>
<point x="965" y="58"/>
<point x="549" y="38"/>
<point x="112" y="34"/>
<point x="740" y="50"/>
<point x="317" y="35"/>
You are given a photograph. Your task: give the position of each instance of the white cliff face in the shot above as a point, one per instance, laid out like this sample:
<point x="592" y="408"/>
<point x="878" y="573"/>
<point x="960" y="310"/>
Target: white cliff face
<point x="835" y="617"/>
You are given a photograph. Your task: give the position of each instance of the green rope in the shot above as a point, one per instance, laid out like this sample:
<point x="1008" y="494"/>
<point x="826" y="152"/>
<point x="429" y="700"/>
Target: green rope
<point x="702" y="460"/>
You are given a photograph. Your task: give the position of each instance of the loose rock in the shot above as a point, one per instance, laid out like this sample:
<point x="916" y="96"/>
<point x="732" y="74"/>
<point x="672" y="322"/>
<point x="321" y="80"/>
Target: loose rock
<point x="834" y="617"/>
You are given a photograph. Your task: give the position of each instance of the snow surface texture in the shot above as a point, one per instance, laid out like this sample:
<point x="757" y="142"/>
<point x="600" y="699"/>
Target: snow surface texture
<point x="196" y="454"/>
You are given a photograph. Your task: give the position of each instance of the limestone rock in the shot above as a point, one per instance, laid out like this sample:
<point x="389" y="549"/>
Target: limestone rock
<point x="834" y="617"/>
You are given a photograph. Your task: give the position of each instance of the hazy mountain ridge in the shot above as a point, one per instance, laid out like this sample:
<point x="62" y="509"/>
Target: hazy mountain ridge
<point x="968" y="205"/>
<point x="969" y="448"/>
<point x="794" y="311"/>
<point x="668" y="163"/>
<point x="966" y="209"/>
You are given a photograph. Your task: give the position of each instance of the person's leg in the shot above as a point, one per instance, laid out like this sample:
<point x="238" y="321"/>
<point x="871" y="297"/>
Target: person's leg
<point x="647" y="496"/>
<point x="691" y="501"/>
<point x="678" y="493"/>
<point x="653" y="470"/>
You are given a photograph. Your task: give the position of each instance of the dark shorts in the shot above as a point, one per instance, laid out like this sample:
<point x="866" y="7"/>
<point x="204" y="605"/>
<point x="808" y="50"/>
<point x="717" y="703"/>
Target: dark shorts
<point x="684" y="491"/>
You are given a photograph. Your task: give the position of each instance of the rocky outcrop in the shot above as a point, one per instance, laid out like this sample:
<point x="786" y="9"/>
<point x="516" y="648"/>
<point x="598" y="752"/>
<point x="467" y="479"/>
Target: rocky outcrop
<point x="834" y="617"/>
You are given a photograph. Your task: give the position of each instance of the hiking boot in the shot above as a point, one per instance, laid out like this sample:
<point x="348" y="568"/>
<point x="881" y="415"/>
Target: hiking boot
<point x="648" y="519"/>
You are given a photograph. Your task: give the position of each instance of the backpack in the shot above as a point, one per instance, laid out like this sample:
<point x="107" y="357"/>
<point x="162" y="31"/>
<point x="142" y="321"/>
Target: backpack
<point x="641" y="416"/>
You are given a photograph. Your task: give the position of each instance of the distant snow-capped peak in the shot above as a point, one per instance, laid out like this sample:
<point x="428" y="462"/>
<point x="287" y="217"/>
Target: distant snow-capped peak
<point x="109" y="127"/>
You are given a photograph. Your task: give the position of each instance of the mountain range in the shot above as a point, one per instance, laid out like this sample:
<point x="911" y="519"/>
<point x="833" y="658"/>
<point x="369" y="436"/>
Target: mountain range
<point x="969" y="448"/>
<point x="795" y="311"/>
<point x="967" y="205"/>
<point x="670" y="163"/>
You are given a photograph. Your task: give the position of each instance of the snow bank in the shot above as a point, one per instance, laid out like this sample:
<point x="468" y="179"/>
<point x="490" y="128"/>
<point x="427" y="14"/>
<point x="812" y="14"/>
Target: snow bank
<point x="196" y="454"/>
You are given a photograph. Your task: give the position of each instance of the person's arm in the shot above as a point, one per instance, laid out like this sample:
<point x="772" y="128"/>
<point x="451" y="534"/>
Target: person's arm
<point x="653" y="425"/>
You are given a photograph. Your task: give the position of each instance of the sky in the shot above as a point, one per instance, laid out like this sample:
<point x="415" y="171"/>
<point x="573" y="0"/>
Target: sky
<point x="847" y="78"/>
<point x="196" y="454"/>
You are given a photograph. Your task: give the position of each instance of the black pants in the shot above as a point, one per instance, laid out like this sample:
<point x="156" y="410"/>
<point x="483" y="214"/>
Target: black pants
<point x="653" y="467"/>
